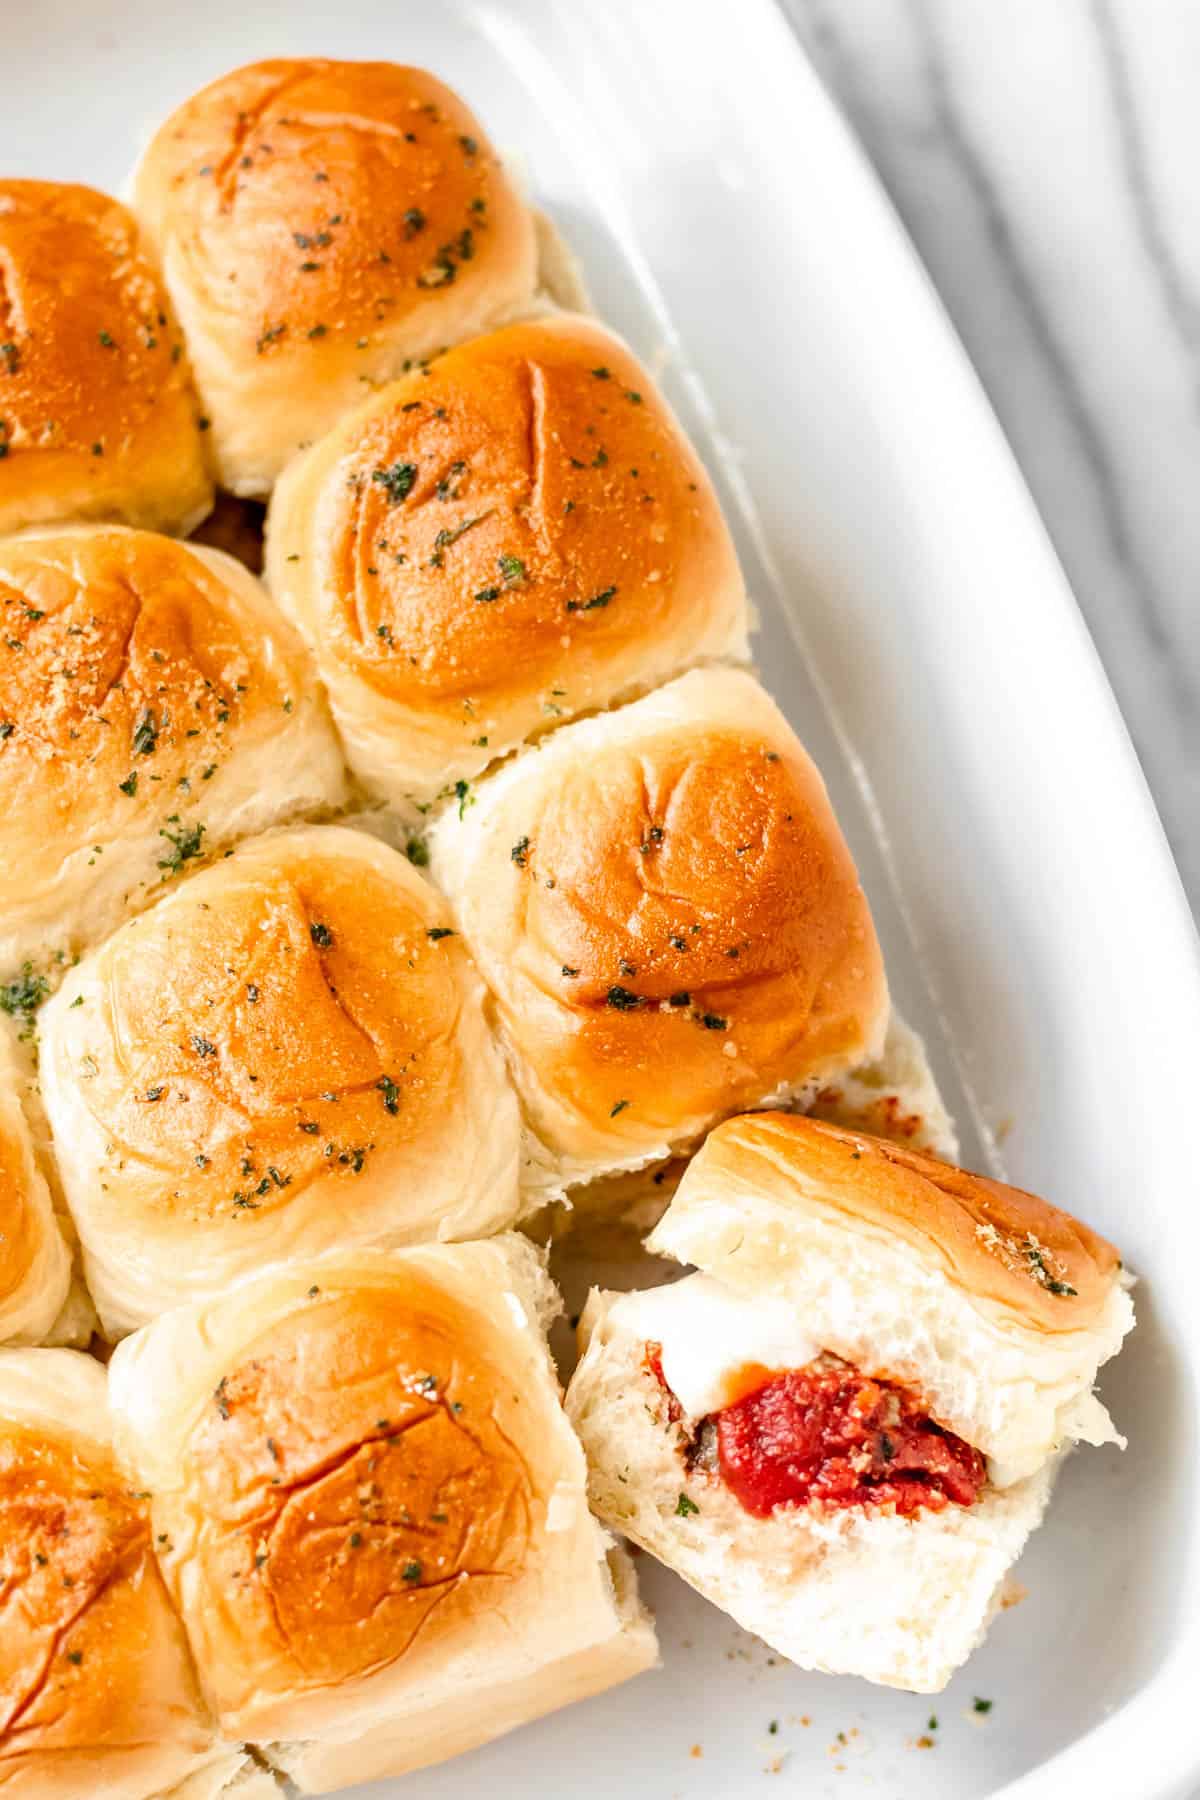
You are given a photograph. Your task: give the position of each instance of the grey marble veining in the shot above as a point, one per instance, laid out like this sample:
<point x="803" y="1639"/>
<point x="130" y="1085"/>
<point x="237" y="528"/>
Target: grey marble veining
<point x="1041" y="154"/>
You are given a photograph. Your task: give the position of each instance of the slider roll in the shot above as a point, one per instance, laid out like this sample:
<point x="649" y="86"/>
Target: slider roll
<point x="843" y="1428"/>
<point x="287" y="1054"/>
<point x="98" y="419"/>
<point x="154" y="706"/>
<point x="669" y="921"/>
<point x="372" y="1511"/>
<point x="517" y="534"/>
<point x="322" y="227"/>
<point x="100" y="1696"/>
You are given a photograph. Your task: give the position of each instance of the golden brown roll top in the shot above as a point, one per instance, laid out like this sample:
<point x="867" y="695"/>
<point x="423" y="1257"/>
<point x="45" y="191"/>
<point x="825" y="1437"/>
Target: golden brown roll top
<point x="98" y="1695"/>
<point x="286" y="1054"/>
<point x="321" y="224"/>
<point x="35" y="1262"/>
<point x="1050" y="1271"/>
<point x="153" y="705"/>
<point x="369" y="1501"/>
<point x="996" y="1306"/>
<point x="669" y="920"/>
<point x="517" y="534"/>
<point x="97" y="414"/>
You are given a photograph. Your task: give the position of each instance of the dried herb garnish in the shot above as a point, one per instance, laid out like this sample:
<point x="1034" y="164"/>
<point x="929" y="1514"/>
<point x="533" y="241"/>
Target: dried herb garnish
<point x="396" y="481"/>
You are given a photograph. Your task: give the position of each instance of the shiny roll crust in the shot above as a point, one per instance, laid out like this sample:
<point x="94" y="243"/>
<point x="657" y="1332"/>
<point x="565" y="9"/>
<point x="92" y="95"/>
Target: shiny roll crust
<point x="323" y="224"/>
<point x="98" y="1694"/>
<point x="153" y="706"/>
<point x="518" y="534"/>
<point x="372" y="1509"/>
<point x="98" y="419"/>
<point x="997" y="1306"/>
<point x="286" y="1054"/>
<point x="669" y="921"/>
<point x="35" y="1263"/>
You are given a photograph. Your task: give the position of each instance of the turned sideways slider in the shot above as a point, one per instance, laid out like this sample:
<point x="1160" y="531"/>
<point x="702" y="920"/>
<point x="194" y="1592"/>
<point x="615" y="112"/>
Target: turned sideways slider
<point x="843" y="1429"/>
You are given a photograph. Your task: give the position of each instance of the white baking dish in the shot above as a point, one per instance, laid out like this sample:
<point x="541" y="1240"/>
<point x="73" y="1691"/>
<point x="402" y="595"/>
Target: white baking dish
<point x="919" y="631"/>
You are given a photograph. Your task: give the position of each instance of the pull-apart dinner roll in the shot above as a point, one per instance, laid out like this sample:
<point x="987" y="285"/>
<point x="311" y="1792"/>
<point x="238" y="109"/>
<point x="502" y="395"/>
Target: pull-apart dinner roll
<point x="371" y="1510"/>
<point x="35" y="1263"/>
<point x="323" y="225"/>
<point x="98" y="1693"/>
<point x="669" y="920"/>
<point x="519" y="533"/>
<point x="844" y="1428"/>
<point x="287" y="1054"/>
<point x="153" y="705"/>
<point x="97" y="415"/>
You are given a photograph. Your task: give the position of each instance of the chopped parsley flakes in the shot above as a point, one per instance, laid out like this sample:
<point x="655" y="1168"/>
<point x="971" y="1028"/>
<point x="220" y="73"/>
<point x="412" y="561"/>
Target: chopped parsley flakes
<point x="396" y="481"/>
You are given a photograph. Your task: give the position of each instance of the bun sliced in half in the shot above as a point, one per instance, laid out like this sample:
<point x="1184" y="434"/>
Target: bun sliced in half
<point x="998" y="1306"/>
<point x="669" y="920"/>
<point x="847" y="1589"/>
<point x="373" y="1511"/>
<point x="844" y="1428"/>
<point x="98" y="1694"/>
<point x="98" y="419"/>
<point x="153" y="706"/>
<point x="286" y="1054"/>
<point x="517" y="534"/>
<point x="35" y="1261"/>
<point x="323" y="224"/>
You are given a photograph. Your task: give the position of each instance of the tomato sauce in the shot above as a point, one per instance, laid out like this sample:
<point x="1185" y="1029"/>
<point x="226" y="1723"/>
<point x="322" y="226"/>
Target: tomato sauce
<point x="653" y="1361"/>
<point x="833" y="1435"/>
<point x="826" y="1433"/>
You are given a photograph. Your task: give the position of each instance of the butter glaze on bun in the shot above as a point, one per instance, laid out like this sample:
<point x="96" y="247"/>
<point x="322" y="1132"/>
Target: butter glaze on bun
<point x="98" y="1694"/>
<point x="287" y="1054"/>
<point x="323" y="224"/>
<point x="35" y="1262"/>
<point x="153" y="705"/>
<point x="999" y="1307"/>
<point x="516" y="535"/>
<point x="669" y="920"/>
<point x="98" y="419"/>
<point x="373" y="1508"/>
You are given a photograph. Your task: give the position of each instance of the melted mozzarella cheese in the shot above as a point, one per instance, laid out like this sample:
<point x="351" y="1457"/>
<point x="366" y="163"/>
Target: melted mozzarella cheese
<point x="709" y="1334"/>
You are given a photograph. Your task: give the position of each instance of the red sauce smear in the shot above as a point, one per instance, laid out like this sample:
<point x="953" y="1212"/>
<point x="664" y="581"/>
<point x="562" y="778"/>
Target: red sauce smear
<point x="833" y="1435"/>
<point x="653" y="1362"/>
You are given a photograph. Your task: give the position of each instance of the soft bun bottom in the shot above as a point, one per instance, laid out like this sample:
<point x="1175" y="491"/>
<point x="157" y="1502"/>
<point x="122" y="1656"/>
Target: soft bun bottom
<point x="894" y="1095"/>
<point x="449" y="1727"/>
<point x="898" y="1601"/>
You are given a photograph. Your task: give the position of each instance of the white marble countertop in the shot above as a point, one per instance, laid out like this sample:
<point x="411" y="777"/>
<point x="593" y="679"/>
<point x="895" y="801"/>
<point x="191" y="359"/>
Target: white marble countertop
<point x="1041" y="154"/>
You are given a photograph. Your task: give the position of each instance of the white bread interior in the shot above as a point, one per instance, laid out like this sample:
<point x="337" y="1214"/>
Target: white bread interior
<point x="899" y="1601"/>
<point x="891" y="1306"/>
<point x="895" y="1095"/>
